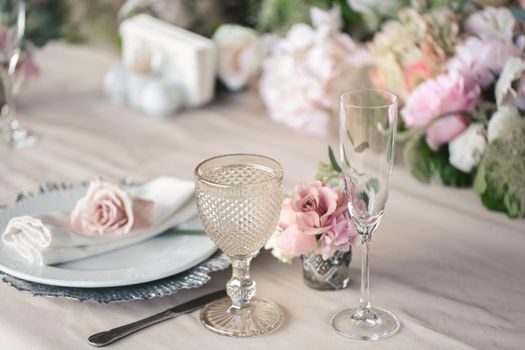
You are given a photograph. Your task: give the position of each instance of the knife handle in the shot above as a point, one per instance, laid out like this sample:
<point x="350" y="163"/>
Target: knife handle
<point x="108" y="337"/>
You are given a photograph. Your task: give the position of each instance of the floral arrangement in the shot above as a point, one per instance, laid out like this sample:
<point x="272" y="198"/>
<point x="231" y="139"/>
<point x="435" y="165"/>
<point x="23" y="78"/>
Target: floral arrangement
<point x="461" y="81"/>
<point x="458" y="67"/>
<point x="314" y="219"/>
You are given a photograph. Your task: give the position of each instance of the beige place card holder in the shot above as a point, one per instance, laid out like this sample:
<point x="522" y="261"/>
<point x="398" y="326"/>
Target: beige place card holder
<point x="184" y="57"/>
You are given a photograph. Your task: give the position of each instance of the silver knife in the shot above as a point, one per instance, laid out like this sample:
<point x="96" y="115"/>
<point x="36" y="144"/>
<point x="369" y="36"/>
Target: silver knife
<point x="108" y="337"/>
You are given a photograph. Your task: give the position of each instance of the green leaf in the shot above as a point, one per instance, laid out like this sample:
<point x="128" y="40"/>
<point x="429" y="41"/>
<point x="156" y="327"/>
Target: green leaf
<point x="480" y="183"/>
<point x="512" y="206"/>
<point x="373" y="185"/>
<point x="333" y="161"/>
<point x="350" y="137"/>
<point x="362" y="147"/>
<point x="441" y="168"/>
<point x="518" y="13"/>
<point x="364" y="197"/>
<point x="415" y="161"/>
<point x="178" y="231"/>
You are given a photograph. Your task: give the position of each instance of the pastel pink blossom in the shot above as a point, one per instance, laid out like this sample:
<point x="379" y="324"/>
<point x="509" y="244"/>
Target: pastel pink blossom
<point x="314" y="204"/>
<point x="294" y="241"/>
<point x="316" y="218"/>
<point x="446" y="93"/>
<point x="340" y="236"/>
<point x="108" y="209"/>
<point x="482" y="60"/>
<point x="287" y="217"/>
<point x="444" y="130"/>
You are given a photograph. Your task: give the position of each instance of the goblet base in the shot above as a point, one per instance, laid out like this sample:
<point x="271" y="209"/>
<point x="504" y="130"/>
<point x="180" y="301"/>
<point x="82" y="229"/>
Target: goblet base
<point x="258" y="318"/>
<point x="375" y="324"/>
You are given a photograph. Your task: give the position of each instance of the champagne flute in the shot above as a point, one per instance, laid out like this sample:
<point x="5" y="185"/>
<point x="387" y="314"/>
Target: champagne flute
<point x="12" y="22"/>
<point x="368" y="125"/>
<point x="239" y="199"/>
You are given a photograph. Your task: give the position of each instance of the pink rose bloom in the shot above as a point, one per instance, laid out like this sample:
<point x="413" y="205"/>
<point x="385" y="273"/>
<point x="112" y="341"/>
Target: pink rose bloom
<point x="294" y="241"/>
<point x="446" y="93"/>
<point x="287" y="217"/>
<point x="315" y="212"/>
<point x="339" y="237"/>
<point x="444" y="130"/>
<point x="314" y="204"/>
<point x="107" y="209"/>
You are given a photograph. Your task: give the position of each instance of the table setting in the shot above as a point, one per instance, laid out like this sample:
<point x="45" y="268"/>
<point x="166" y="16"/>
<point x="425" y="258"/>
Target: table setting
<point x="183" y="191"/>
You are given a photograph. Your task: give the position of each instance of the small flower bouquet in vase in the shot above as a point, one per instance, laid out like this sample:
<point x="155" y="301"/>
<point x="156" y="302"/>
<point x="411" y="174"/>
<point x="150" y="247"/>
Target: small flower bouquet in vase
<point x="315" y="225"/>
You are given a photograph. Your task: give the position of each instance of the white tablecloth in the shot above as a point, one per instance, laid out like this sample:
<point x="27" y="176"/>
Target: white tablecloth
<point x="453" y="272"/>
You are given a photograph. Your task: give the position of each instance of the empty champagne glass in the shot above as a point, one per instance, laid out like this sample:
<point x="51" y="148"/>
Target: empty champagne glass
<point x="368" y="124"/>
<point x="239" y="199"/>
<point x="12" y="27"/>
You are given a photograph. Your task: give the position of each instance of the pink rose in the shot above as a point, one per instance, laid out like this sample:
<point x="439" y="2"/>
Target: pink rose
<point x="294" y="241"/>
<point x="444" y="130"/>
<point x="107" y="209"/>
<point x="339" y="237"/>
<point x="446" y="93"/>
<point x="315" y="213"/>
<point x="288" y="216"/>
<point x="314" y="204"/>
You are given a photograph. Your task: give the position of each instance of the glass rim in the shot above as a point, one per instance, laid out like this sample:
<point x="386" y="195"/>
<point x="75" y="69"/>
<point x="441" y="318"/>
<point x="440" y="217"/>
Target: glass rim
<point x="387" y="105"/>
<point x="278" y="167"/>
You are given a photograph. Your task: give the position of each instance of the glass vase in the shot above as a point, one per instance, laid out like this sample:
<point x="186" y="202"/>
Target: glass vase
<point x="330" y="274"/>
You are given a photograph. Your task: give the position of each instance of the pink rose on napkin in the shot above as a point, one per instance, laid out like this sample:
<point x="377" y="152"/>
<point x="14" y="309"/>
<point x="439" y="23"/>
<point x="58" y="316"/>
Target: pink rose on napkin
<point x="108" y="209"/>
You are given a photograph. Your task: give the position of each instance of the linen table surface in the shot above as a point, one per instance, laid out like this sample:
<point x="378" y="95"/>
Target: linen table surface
<point x="453" y="272"/>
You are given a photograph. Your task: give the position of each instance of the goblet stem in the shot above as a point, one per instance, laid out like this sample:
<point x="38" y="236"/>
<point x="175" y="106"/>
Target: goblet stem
<point x="240" y="287"/>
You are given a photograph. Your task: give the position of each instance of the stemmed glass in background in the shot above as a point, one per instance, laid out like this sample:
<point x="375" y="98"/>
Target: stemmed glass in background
<point x="239" y="198"/>
<point x="12" y="22"/>
<point x="368" y="120"/>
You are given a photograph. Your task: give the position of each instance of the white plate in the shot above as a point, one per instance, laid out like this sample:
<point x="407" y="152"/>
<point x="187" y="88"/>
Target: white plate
<point x="153" y="259"/>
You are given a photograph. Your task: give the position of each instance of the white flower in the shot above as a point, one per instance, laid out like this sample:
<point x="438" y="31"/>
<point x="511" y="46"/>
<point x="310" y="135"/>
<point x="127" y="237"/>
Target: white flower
<point x="501" y="122"/>
<point x="505" y="92"/>
<point x="467" y="149"/>
<point x="492" y="23"/>
<point x="276" y="251"/>
<point x="304" y="75"/>
<point x="240" y="55"/>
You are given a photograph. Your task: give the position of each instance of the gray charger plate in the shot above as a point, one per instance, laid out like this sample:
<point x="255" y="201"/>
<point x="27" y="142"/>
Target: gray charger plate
<point x="193" y="278"/>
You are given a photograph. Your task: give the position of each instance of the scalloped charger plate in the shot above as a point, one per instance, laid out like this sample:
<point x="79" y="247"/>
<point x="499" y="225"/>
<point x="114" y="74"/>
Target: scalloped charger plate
<point x="159" y="257"/>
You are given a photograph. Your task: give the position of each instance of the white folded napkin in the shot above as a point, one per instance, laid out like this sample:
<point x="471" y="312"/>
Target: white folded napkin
<point x="48" y="239"/>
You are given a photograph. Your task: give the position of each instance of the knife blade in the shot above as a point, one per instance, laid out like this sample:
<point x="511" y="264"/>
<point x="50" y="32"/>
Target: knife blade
<point x="108" y="337"/>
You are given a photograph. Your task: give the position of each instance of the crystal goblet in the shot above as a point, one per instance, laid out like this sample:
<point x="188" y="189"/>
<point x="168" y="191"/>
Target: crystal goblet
<point x="368" y="125"/>
<point x="239" y="199"/>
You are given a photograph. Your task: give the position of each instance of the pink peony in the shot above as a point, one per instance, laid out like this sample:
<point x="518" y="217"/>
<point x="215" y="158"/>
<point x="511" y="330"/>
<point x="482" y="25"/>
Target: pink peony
<point x="107" y="209"/>
<point x="481" y="60"/>
<point x="444" y="130"/>
<point x="446" y="93"/>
